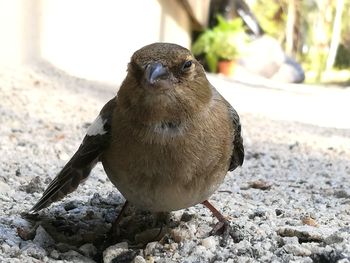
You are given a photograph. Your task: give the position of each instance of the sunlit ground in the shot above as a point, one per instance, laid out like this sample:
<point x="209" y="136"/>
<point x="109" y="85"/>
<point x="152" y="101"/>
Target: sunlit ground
<point x="320" y="105"/>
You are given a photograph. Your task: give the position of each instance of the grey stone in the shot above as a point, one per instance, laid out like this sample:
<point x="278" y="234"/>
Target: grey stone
<point x="150" y="248"/>
<point x="34" y="186"/>
<point x="185" y="217"/>
<point x="88" y="250"/>
<point x="210" y="243"/>
<point x="4" y="187"/>
<point x="139" y="259"/>
<point x="74" y="256"/>
<point x="342" y="193"/>
<point x="34" y="250"/>
<point x="118" y="253"/>
<point x="296" y="250"/>
<point x="306" y="233"/>
<point x="9" y="235"/>
<point x="42" y="238"/>
<point x="290" y="240"/>
<point x="183" y="232"/>
<point x="334" y="238"/>
<point x="54" y="254"/>
<point x="72" y="205"/>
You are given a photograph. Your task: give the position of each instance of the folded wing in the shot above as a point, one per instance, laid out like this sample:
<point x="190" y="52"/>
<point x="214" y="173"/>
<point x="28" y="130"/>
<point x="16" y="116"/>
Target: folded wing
<point x="80" y="165"/>
<point x="237" y="156"/>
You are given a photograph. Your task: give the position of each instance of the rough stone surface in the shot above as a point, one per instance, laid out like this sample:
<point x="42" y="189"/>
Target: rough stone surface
<point x="42" y="238"/>
<point x="290" y="200"/>
<point x="139" y="259"/>
<point x="119" y="253"/>
<point x="88" y="250"/>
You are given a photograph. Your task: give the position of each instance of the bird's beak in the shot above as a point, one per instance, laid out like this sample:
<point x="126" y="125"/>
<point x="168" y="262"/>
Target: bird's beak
<point x="155" y="72"/>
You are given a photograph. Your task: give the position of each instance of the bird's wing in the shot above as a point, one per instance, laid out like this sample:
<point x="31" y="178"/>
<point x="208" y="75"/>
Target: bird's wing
<point x="79" y="166"/>
<point x="237" y="156"/>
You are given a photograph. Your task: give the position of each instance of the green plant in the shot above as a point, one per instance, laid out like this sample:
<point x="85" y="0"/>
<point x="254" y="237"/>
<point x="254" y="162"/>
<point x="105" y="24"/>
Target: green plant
<point x="222" y="42"/>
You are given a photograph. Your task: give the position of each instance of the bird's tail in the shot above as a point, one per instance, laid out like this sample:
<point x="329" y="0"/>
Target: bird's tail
<point x="64" y="183"/>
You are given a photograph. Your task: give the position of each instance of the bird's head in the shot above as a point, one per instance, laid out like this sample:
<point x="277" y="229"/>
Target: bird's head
<point x="162" y="66"/>
<point x="165" y="77"/>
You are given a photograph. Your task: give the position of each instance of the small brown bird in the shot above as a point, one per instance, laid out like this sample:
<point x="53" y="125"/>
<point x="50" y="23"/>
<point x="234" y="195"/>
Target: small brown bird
<point x="166" y="141"/>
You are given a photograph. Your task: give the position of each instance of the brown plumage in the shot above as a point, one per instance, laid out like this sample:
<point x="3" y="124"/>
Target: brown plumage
<point x="166" y="141"/>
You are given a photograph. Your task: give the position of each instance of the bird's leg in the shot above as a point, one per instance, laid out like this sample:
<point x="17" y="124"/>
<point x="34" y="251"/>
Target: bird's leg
<point x="223" y="226"/>
<point x="112" y="235"/>
<point x="118" y="218"/>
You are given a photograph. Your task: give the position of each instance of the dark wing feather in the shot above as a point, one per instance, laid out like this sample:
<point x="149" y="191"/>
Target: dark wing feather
<point x="81" y="164"/>
<point x="237" y="156"/>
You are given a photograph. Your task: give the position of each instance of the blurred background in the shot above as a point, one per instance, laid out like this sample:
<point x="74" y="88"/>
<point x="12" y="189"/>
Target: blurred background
<point x="284" y="65"/>
<point x="93" y="40"/>
<point x="290" y="41"/>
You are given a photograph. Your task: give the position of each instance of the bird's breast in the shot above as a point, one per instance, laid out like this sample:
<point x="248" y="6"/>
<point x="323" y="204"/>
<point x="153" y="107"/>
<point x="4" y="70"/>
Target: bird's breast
<point x="168" y="166"/>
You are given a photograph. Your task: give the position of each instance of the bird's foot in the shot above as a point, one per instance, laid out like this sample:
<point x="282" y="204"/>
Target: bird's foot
<point x="223" y="227"/>
<point x="225" y="230"/>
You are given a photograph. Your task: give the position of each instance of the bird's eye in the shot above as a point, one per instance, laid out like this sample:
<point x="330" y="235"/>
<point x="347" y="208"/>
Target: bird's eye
<point x="187" y="65"/>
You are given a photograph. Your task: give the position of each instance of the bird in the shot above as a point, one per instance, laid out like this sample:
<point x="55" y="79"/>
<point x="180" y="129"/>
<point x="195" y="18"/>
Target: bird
<point x="166" y="140"/>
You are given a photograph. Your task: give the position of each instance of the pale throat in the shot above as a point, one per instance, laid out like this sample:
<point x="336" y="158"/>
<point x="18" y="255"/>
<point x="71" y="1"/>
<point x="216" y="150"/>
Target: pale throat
<point x="168" y="127"/>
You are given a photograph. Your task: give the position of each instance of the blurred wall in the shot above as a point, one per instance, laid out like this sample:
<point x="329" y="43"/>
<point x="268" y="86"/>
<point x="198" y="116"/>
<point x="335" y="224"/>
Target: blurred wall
<point x="88" y="39"/>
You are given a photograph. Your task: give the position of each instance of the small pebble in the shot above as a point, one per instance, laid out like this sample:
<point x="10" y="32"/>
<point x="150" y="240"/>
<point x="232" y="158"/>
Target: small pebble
<point x="42" y="238"/>
<point x="88" y="250"/>
<point x="186" y="217"/>
<point x="34" y="186"/>
<point x="34" y="250"/>
<point x="209" y="243"/>
<point x="296" y="250"/>
<point x="181" y="234"/>
<point x="151" y="247"/>
<point x="72" y="205"/>
<point x="139" y="259"/>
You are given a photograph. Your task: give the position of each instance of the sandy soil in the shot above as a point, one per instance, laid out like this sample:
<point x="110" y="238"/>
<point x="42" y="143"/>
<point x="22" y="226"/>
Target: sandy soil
<point x="290" y="200"/>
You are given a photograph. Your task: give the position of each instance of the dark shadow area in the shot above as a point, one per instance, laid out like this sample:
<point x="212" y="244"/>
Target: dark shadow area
<point x="75" y="223"/>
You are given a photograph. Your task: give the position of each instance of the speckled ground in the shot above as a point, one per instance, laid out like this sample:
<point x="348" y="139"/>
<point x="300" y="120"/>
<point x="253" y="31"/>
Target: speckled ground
<point x="290" y="200"/>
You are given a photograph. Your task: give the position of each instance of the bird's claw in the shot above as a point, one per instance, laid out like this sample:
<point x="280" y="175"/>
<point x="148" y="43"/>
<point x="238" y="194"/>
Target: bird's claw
<point x="224" y="229"/>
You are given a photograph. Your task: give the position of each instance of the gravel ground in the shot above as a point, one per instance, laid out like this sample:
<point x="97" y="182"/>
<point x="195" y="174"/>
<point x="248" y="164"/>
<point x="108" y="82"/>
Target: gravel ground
<point x="290" y="200"/>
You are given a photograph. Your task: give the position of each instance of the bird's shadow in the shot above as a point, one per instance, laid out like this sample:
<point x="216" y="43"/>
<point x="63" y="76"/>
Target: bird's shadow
<point x="72" y="224"/>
